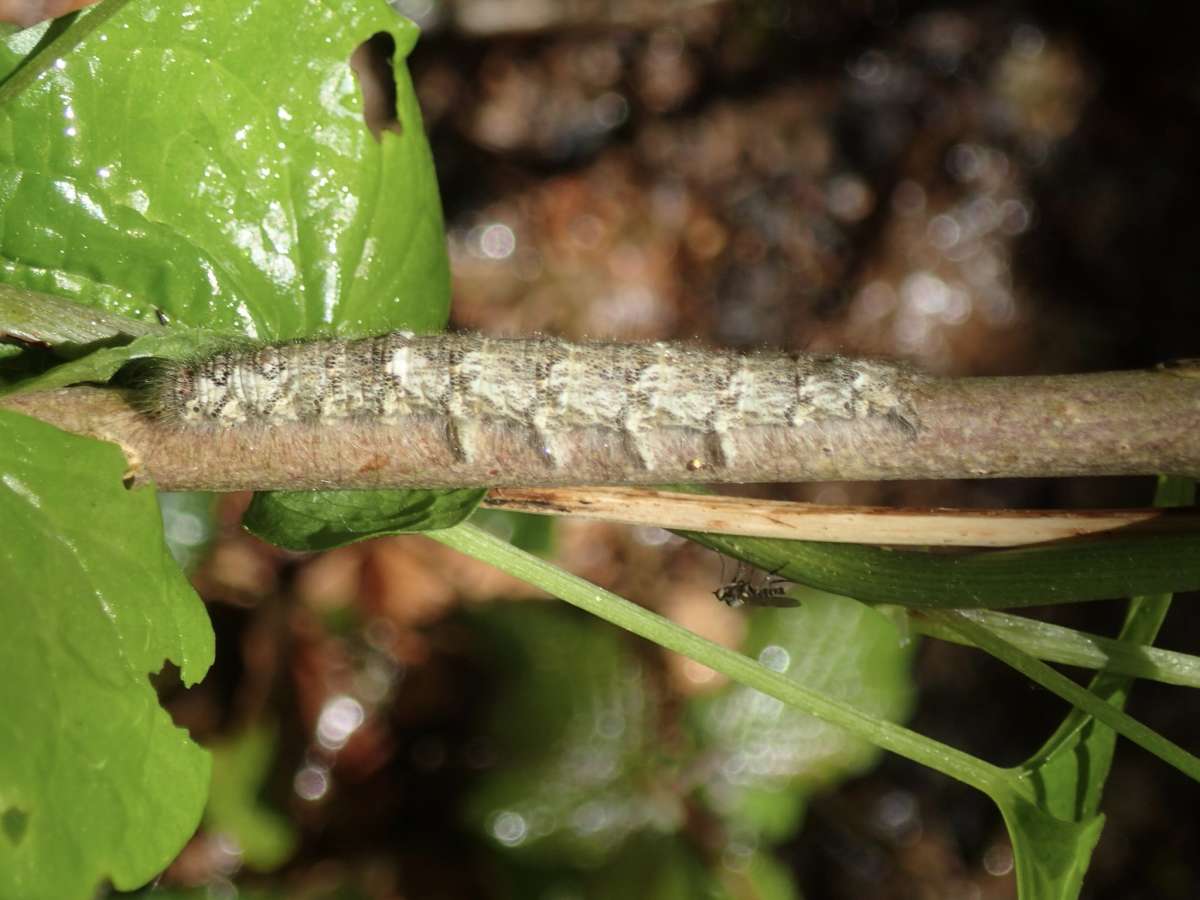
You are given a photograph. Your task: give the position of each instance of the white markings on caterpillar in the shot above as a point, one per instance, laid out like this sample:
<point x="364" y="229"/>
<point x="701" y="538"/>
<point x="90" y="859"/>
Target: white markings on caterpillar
<point x="547" y="388"/>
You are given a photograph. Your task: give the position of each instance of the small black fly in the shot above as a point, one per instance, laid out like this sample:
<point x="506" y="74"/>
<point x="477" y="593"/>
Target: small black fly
<point x="742" y="590"/>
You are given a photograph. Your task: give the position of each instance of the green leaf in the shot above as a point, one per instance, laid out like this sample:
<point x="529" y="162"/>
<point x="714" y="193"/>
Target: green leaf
<point x="1070" y="788"/>
<point x="576" y="787"/>
<point x="1052" y="852"/>
<point x="761" y="876"/>
<point x="588" y="785"/>
<point x="1055" y="643"/>
<point x="1069" y="771"/>
<point x="236" y="187"/>
<point x="323" y="520"/>
<point x="1068" y="571"/>
<point x="206" y="893"/>
<point x="95" y="780"/>
<point x="618" y="611"/>
<point x="768" y="757"/>
<point x="1080" y="697"/>
<point x="265" y="838"/>
<point x="211" y="160"/>
<point x="1061" y="572"/>
<point x="655" y="867"/>
<point x="1050" y="803"/>
<point x="658" y="869"/>
<point x="1051" y="855"/>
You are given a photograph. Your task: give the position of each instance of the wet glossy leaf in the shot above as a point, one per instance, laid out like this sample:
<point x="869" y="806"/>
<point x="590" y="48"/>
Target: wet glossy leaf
<point x="239" y="188"/>
<point x="211" y="160"/>
<point x="95" y="780"/>
<point x="767" y="758"/>
<point x="16" y="45"/>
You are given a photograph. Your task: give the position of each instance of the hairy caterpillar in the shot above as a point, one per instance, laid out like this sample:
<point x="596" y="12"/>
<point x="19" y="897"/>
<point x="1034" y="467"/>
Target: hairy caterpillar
<point x="502" y="411"/>
<point x="545" y="386"/>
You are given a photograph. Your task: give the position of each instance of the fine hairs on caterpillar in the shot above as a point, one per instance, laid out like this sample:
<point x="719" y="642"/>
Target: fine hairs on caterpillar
<point x="661" y="410"/>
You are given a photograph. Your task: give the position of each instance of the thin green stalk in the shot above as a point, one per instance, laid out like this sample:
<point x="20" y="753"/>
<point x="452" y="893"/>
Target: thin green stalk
<point x="617" y="610"/>
<point x="1055" y="643"/>
<point x="1078" y="696"/>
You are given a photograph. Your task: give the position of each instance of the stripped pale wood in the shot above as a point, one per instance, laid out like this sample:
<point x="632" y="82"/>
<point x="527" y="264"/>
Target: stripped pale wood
<point x="841" y="524"/>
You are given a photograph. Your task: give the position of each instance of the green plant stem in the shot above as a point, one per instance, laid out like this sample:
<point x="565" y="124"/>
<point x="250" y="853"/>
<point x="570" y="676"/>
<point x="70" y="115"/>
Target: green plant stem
<point x="1055" y="643"/>
<point x="618" y="611"/>
<point x="1080" y="697"/>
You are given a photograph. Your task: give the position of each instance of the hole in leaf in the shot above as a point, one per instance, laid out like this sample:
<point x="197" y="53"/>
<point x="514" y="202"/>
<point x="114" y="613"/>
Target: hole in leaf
<point x="15" y="822"/>
<point x="168" y="684"/>
<point x="372" y="65"/>
<point x="188" y="707"/>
